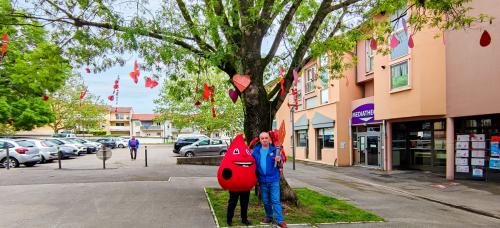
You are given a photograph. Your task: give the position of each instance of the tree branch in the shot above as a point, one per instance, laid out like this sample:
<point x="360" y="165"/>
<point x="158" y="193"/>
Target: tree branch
<point x="192" y="27"/>
<point x="281" y="31"/>
<point x="324" y="9"/>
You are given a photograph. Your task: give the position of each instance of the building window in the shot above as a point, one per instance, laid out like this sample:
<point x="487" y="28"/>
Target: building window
<point x="301" y="138"/>
<point x="120" y="116"/>
<point x="399" y="32"/>
<point x="311" y="102"/>
<point x="323" y="74"/>
<point x="120" y="124"/>
<point x="369" y="57"/>
<point x="300" y="86"/>
<point x="324" y="96"/>
<point x="325" y="136"/>
<point x="158" y="133"/>
<point x="399" y="75"/>
<point x="137" y="123"/>
<point x="310" y="75"/>
<point x="138" y="133"/>
<point x="158" y="124"/>
<point x="148" y="134"/>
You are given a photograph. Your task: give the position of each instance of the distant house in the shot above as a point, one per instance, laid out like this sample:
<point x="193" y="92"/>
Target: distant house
<point x="144" y="125"/>
<point x="118" y="120"/>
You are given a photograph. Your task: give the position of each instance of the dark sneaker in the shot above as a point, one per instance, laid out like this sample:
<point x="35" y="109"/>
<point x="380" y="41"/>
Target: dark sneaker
<point x="246" y="223"/>
<point x="266" y="221"/>
<point x="282" y="225"/>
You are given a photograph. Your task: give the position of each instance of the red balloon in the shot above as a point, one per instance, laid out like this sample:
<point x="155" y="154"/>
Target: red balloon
<point x="237" y="169"/>
<point x="485" y="39"/>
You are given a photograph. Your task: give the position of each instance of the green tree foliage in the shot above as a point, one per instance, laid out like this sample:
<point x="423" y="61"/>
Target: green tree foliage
<point x="178" y="97"/>
<point x="31" y="67"/>
<point x="72" y="113"/>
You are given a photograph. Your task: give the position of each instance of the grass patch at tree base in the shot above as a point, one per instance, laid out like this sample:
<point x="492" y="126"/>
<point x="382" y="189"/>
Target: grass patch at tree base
<point x="314" y="208"/>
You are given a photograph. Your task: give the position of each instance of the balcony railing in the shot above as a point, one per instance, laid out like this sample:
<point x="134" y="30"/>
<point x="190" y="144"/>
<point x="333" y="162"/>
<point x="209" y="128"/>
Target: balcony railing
<point x="151" y="128"/>
<point x="119" y="128"/>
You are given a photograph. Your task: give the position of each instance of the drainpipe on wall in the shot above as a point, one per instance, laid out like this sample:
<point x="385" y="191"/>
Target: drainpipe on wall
<point x="450" y="149"/>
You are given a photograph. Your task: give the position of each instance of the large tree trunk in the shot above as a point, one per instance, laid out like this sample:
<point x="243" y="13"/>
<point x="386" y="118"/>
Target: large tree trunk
<point x="258" y="117"/>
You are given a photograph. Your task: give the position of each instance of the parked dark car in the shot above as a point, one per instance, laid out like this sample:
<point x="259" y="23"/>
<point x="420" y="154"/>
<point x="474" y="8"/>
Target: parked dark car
<point x="107" y="142"/>
<point x="186" y="140"/>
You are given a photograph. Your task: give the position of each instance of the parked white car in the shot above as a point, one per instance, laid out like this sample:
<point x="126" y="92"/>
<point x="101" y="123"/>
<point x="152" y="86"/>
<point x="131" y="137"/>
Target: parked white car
<point x="82" y="149"/>
<point x="122" y="142"/>
<point x="20" y="152"/>
<point x="48" y="150"/>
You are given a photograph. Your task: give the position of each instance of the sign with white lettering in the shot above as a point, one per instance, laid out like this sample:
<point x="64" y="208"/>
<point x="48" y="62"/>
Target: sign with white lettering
<point x="364" y="114"/>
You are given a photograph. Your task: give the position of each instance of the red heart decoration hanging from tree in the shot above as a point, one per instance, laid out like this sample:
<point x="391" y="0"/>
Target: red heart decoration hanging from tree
<point x="485" y="39"/>
<point x="241" y="81"/>
<point x="394" y="41"/>
<point x="410" y="42"/>
<point x="5" y="40"/>
<point x="207" y="91"/>
<point x="373" y="44"/>
<point x="111" y="97"/>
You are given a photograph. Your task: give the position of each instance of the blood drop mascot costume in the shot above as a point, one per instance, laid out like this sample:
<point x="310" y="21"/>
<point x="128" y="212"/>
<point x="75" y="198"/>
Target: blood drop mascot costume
<point x="237" y="170"/>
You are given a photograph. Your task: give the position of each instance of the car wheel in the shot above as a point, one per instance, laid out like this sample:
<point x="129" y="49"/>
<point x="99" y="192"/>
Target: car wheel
<point x="13" y="162"/>
<point x="189" y="154"/>
<point x="223" y="152"/>
<point x="121" y="146"/>
<point x="29" y="164"/>
<point x="43" y="160"/>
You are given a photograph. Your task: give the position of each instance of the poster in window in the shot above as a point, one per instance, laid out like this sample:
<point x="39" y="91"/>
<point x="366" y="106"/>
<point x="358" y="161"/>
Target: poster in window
<point x="478" y="153"/>
<point x="478" y="145"/>
<point x="477" y="137"/>
<point x="462" y="145"/>
<point x="461" y="161"/>
<point x="462" y="168"/>
<point x="463" y="138"/>
<point x="477" y="161"/>
<point x="495" y="149"/>
<point x="462" y="154"/>
<point x="494" y="163"/>
<point x="477" y="172"/>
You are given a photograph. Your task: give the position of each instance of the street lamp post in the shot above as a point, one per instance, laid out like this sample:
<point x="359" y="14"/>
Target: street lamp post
<point x="292" y="111"/>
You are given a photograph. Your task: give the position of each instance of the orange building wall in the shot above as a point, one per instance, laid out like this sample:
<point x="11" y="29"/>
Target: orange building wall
<point x="426" y="94"/>
<point x="473" y="72"/>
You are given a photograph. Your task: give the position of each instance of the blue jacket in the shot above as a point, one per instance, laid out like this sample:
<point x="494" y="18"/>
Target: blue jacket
<point x="136" y="146"/>
<point x="272" y="173"/>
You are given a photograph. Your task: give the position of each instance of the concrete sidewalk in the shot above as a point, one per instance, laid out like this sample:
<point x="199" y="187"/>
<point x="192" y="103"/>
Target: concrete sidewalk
<point x="387" y="194"/>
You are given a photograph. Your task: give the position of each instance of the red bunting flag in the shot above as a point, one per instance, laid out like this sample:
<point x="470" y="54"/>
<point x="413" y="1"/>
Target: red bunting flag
<point x="5" y="40"/>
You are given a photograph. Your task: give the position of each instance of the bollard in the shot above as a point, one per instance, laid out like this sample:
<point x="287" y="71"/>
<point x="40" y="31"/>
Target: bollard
<point x="146" y="155"/>
<point x="8" y="157"/>
<point x="104" y="158"/>
<point x="59" y="155"/>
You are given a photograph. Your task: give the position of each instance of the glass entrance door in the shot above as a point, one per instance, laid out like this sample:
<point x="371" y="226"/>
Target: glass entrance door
<point x="372" y="150"/>
<point x="369" y="149"/>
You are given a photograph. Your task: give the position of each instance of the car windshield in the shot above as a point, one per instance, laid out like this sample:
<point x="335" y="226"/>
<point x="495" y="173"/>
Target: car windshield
<point x="49" y="143"/>
<point x="25" y="143"/>
<point x="56" y="141"/>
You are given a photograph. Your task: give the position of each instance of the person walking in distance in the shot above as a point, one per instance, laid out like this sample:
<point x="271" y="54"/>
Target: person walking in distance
<point x="268" y="177"/>
<point x="133" y="145"/>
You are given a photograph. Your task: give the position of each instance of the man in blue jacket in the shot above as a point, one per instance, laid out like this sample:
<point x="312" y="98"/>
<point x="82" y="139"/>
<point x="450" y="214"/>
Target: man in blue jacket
<point x="269" y="179"/>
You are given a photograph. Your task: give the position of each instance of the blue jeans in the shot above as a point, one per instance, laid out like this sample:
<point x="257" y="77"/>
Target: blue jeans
<point x="271" y="198"/>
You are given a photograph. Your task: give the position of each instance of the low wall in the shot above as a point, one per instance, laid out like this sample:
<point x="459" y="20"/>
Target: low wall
<point x="211" y="161"/>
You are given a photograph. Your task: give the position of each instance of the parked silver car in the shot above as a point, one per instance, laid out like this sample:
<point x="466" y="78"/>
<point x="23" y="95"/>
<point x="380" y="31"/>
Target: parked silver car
<point x="48" y="150"/>
<point x="20" y="152"/>
<point x="204" y="147"/>
<point x="82" y="149"/>
<point x="91" y="146"/>
<point x="65" y="147"/>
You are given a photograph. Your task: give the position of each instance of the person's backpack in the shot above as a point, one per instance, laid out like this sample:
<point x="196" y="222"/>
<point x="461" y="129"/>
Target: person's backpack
<point x="133" y="143"/>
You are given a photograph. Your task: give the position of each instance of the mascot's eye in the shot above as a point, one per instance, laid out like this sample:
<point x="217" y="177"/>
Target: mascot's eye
<point x="236" y="151"/>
